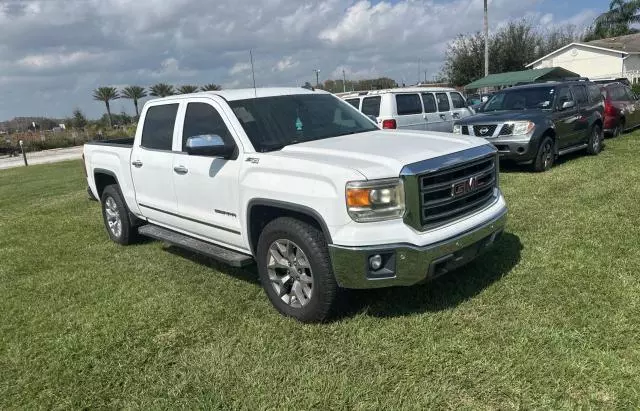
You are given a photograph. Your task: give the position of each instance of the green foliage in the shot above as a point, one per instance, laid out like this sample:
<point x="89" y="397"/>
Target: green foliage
<point x="162" y="90"/>
<point x="134" y="93"/>
<point x="106" y="94"/>
<point x="187" y="89"/>
<point x="211" y="87"/>
<point x="617" y="21"/>
<point x="511" y="48"/>
<point x="78" y="121"/>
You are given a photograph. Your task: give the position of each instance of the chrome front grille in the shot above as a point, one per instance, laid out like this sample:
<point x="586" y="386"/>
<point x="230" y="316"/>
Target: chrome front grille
<point x="484" y="130"/>
<point x="458" y="190"/>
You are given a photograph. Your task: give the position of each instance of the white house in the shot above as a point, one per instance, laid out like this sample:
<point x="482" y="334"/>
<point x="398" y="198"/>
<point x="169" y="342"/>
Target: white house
<point x="615" y="57"/>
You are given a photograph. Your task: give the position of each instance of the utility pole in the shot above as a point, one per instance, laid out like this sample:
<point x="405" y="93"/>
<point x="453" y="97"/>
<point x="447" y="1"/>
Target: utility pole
<point x="317" y="78"/>
<point x="486" y="39"/>
<point x="419" y="71"/>
<point x="344" y="82"/>
<point x="425" y="77"/>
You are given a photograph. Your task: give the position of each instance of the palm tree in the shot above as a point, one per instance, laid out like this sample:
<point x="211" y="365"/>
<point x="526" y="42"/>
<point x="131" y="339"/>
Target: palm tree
<point x="134" y="93"/>
<point x="210" y="87"/>
<point x="162" y="90"/>
<point x="106" y="94"/>
<point x="187" y="89"/>
<point x="618" y="20"/>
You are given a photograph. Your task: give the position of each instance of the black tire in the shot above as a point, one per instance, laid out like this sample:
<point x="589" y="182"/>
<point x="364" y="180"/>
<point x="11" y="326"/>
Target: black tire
<point x="127" y="233"/>
<point x="622" y="126"/>
<point x="617" y="131"/>
<point x="595" y="141"/>
<point x="322" y="299"/>
<point x="545" y="156"/>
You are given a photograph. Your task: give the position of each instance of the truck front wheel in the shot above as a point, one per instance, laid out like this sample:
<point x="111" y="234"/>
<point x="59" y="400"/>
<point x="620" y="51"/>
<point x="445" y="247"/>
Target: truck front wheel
<point x="116" y="216"/>
<point x="295" y="270"/>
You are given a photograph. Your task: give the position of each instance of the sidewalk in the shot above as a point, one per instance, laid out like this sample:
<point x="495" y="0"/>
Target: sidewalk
<point x="42" y="157"/>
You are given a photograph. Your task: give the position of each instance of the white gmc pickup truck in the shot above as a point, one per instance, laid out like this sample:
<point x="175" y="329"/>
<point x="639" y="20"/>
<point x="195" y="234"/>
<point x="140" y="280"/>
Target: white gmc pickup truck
<point x="303" y="184"/>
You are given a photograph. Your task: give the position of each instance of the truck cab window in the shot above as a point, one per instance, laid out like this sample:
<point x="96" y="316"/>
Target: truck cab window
<point x="203" y="119"/>
<point x="157" y="132"/>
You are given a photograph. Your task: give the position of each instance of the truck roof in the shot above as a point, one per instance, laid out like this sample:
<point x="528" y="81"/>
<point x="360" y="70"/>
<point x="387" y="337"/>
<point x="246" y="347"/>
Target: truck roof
<point x="247" y="93"/>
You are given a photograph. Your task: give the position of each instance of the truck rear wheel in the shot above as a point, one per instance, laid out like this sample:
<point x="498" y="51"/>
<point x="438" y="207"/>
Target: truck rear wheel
<point x="116" y="216"/>
<point x="295" y="270"/>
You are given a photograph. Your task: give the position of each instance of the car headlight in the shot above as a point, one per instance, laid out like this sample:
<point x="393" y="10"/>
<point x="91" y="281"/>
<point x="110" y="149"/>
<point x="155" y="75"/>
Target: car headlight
<point x="375" y="200"/>
<point x="457" y="129"/>
<point x="521" y="127"/>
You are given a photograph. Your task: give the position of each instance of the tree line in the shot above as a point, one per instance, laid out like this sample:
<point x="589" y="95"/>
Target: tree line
<point x="338" y="86"/>
<point x="511" y="48"/>
<point x="136" y="93"/>
<point x="514" y="45"/>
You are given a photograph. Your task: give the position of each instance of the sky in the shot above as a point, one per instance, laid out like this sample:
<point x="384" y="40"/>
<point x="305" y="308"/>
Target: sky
<point x="53" y="53"/>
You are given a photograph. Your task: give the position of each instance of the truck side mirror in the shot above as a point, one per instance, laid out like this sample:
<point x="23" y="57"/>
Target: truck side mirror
<point x="568" y="104"/>
<point x="209" y="145"/>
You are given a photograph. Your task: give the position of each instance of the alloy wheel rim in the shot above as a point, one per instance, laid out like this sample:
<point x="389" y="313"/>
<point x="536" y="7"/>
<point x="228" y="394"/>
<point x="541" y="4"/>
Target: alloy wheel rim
<point x="596" y="140"/>
<point x="113" y="217"/>
<point x="547" y="155"/>
<point x="290" y="273"/>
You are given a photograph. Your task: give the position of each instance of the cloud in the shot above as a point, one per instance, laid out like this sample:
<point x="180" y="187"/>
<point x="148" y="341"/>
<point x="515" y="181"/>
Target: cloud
<point x="287" y="63"/>
<point x="54" y="52"/>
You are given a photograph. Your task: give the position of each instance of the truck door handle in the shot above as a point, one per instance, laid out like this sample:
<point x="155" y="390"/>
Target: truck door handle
<point x="180" y="169"/>
<point x="456" y="115"/>
<point x="442" y="116"/>
<point x="137" y="164"/>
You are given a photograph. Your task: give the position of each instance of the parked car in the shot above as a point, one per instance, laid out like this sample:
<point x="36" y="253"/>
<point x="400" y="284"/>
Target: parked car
<point x="535" y="123"/>
<point x="417" y="108"/>
<point x="308" y="188"/>
<point x="621" y="108"/>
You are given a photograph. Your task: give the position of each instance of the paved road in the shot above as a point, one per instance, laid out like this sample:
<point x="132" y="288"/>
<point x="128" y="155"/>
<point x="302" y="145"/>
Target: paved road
<point x="42" y="157"/>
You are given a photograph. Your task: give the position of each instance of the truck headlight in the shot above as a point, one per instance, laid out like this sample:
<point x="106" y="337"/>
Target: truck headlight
<point x="521" y="127"/>
<point x="457" y="129"/>
<point x="375" y="200"/>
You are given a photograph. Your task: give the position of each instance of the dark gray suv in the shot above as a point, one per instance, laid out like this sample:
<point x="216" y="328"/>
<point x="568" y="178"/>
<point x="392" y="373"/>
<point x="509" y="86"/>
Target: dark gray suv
<point x="535" y="123"/>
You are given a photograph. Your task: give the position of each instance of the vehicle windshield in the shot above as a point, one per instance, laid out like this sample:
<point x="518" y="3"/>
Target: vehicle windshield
<point x="521" y="99"/>
<point x="275" y="122"/>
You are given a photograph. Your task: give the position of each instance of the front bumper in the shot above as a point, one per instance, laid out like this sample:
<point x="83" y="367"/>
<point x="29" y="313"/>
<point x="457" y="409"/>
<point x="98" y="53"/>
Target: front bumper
<point x="519" y="149"/>
<point x="406" y="264"/>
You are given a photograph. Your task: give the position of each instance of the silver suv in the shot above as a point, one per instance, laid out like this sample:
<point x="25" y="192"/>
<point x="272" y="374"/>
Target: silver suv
<point x="415" y="108"/>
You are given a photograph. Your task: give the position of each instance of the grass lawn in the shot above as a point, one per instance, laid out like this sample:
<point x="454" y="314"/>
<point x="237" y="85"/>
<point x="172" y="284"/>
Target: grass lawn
<point x="550" y="318"/>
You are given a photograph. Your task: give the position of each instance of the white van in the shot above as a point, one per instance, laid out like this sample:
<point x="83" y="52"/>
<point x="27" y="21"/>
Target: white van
<point x="414" y="108"/>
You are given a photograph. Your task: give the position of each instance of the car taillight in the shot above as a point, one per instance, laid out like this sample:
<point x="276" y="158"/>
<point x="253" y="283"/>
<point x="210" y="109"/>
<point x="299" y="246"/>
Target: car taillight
<point x="389" y="124"/>
<point x="609" y="109"/>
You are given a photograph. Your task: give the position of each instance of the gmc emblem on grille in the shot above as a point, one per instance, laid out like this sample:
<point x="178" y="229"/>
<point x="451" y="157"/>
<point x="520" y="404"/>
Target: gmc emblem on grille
<point x="484" y="130"/>
<point x="465" y="187"/>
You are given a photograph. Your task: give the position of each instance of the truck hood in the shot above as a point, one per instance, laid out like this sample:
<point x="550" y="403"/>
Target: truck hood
<point x="501" y="116"/>
<point x="380" y="154"/>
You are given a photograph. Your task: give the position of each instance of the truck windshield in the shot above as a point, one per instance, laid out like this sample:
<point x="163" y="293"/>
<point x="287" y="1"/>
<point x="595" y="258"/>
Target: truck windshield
<point x="521" y="99"/>
<point x="275" y="122"/>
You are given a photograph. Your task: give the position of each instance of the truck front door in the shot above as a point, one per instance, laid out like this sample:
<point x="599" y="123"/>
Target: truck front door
<point x="207" y="187"/>
<point x="565" y="119"/>
<point x="152" y="161"/>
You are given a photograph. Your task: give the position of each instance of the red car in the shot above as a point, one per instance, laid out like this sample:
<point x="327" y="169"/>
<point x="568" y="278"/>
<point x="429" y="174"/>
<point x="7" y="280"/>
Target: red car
<point x="621" y="108"/>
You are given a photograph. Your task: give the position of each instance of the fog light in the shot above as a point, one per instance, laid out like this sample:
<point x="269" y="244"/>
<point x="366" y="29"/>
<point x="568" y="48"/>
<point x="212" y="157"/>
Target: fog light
<point x="375" y="262"/>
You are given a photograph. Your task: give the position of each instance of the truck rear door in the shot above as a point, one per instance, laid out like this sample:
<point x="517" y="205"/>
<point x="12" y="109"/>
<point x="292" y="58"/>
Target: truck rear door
<point x="152" y="163"/>
<point x="207" y="187"/>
